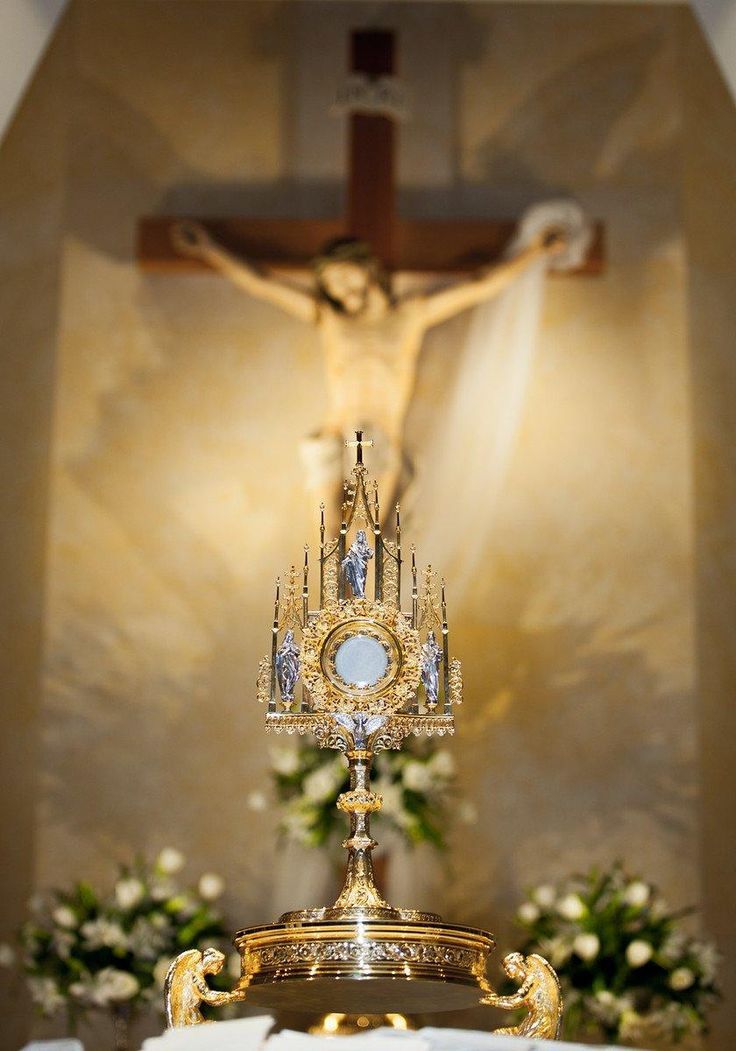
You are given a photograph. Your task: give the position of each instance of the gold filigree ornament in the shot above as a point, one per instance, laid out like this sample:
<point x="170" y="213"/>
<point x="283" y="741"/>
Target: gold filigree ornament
<point x="361" y="675"/>
<point x="399" y="681"/>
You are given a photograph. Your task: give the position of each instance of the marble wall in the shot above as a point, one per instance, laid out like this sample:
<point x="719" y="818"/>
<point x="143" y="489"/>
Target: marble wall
<point x="175" y="489"/>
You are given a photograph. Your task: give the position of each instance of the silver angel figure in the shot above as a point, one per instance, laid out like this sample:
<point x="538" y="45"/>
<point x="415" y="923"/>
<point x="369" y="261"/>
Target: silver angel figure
<point x="355" y="564"/>
<point x="287" y="667"/>
<point x="431" y="660"/>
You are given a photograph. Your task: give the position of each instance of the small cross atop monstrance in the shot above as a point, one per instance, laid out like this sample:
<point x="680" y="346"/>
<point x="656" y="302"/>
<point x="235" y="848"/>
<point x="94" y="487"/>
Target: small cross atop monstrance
<point x="361" y="674"/>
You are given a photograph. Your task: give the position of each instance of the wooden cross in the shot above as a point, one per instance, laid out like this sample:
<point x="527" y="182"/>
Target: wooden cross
<point x="427" y="246"/>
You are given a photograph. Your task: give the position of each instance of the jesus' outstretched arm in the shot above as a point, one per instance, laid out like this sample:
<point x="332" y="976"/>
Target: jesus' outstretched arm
<point x="192" y="239"/>
<point x="487" y="282"/>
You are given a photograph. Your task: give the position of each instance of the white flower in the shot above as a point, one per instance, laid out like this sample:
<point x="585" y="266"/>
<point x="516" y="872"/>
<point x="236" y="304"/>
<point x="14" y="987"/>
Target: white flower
<point x="467" y="812"/>
<point x="161" y="889"/>
<point x="442" y="764"/>
<point x="638" y="953"/>
<point x="571" y="907"/>
<point x="418" y="776"/>
<point x="608" y="1007"/>
<point x="321" y="783"/>
<point x="64" y="917"/>
<point x="680" y="979"/>
<point x="528" y="912"/>
<point x="544" y="895"/>
<point x="183" y="905"/>
<point x="285" y="760"/>
<point x="257" y="801"/>
<point x="102" y="933"/>
<point x="297" y="821"/>
<point x="45" y="993"/>
<point x="147" y="939"/>
<point x="586" y="946"/>
<point x="129" y="892"/>
<point x="708" y="960"/>
<point x="211" y="886"/>
<point x="673" y="948"/>
<point x="556" y="950"/>
<point x="170" y="861"/>
<point x="391" y="794"/>
<point x="113" y="986"/>
<point x="7" y="955"/>
<point x="161" y="969"/>
<point x="637" y="894"/>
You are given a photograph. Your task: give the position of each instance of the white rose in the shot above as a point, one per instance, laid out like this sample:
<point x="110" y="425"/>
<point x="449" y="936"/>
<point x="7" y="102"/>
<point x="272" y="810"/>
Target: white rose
<point x="7" y="955"/>
<point x="544" y="895"/>
<point x="161" y="889"/>
<point x="528" y="912"/>
<point x="637" y="894"/>
<point x="45" y="993"/>
<point x="102" y="933"/>
<point x="211" y="886"/>
<point x="681" y="978"/>
<point x="257" y="801"/>
<point x="161" y="969"/>
<point x="557" y="950"/>
<point x="638" y="953"/>
<point x="285" y="760"/>
<point x="571" y="907"/>
<point x="417" y="776"/>
<point x="320" y="784"/>
<point x="112" y="985"/>
<point x="391" y="796"/>
<point x="708" y="960"/>
<point x="128" y="892"/>
<point x="64" y="917"/>
<point x="586" y="946"/>
<point x="169" y="861"/>
<point x="442" y="764"/>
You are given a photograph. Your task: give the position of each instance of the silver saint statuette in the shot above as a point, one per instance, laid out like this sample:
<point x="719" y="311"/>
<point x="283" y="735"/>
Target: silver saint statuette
<point x="287" y="667"/>
<point x="431" y="660"/>
<point x="355" y="564"/>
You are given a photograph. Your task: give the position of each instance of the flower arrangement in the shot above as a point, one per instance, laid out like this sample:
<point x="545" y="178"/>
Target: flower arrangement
<point x="416" y="785"/>
<point x="82" y="951"/>
<point x="629" y="972"/>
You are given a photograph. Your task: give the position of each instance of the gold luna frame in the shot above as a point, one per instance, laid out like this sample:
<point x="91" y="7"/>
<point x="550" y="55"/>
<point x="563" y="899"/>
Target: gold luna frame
<point x="367" y="682"/>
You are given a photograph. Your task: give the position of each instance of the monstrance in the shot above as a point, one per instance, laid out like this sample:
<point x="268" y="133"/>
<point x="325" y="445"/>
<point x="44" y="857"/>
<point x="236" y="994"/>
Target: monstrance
<point x="361" y="674"/>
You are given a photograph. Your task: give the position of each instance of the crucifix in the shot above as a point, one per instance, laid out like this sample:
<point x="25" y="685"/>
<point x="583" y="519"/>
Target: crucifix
<point x="371" y="338"/>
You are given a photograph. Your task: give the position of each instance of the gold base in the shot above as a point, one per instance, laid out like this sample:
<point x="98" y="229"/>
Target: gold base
<point x="363" y="966"/>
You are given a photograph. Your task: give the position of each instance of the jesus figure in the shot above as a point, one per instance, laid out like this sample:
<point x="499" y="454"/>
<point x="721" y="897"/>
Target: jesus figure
<point x="371" y="340"/>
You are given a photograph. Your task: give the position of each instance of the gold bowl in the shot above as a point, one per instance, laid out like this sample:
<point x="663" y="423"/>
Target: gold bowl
<point x="368" y="966"/>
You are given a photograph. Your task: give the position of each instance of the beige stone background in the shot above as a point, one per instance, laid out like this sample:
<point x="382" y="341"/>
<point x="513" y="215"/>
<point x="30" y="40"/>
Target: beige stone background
<point x="151" y="488"/>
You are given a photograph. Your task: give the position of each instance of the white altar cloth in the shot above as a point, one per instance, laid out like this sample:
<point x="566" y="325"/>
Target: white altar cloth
<point x="252" y="1034"/>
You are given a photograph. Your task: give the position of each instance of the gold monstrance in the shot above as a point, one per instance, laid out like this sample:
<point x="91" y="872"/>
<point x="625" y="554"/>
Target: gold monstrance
<point x="361" y="674"/>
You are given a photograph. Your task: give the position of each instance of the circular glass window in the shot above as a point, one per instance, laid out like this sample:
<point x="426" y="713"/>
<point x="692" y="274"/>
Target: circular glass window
<point x="361" y="661"/>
